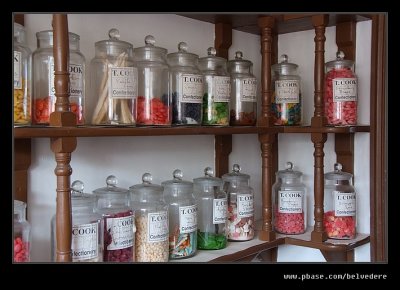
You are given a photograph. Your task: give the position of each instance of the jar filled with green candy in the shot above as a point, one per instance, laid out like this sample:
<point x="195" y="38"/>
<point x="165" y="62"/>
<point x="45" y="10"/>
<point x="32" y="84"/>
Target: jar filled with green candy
<point x="217" y="89"/>
<point x="286" y="98"/>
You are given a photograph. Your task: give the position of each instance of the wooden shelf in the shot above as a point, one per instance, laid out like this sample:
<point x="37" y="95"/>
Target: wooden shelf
<point x="327" y="129"/>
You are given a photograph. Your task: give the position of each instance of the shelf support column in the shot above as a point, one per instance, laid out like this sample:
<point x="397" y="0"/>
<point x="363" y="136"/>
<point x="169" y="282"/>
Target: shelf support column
<point x="22" y="161"/>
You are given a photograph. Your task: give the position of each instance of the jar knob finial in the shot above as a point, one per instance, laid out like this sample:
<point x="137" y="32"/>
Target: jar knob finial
<point x="208" y="171"/>
<point x="182" y="46"/>
<point x="77" y="186"/>
<point x="339" y="55"/>
<point x="236" y="168"/>
<point x="211" y="51"/>
<point x="178" y="174"/>
<point x="147" y="178"/>
<point x="111" y="181"/>
<point x="338" y="167"/>
<point x="284" y="58"/>
<point x="238" y="55"/>
<point x="113" y="33"/>
<point x="150" y="40"/>
<point x="289" y="165"/>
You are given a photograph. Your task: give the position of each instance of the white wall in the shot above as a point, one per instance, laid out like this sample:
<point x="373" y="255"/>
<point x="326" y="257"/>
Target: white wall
<point x="129" y="157"/>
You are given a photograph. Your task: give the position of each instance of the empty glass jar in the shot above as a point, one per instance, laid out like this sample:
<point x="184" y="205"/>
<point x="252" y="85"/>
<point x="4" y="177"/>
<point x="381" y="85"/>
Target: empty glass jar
<point x="22" y="233"/>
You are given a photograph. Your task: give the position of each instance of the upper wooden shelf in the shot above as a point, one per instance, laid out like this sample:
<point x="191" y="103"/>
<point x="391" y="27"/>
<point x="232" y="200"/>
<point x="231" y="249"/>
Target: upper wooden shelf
<point x="285" y="23"/>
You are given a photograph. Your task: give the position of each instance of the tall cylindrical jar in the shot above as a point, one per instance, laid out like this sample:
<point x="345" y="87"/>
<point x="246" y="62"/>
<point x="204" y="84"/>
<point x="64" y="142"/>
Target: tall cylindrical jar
<point x="286" y="100"/>
<point x="22" y="77"/>
<point x="340" y="207"/>
<point x="340" y="91"/>
<point x="178" y="194"/>
<point x="217" y="89"/>
<point x="212" y="211"/>
<point x="87" y="228"/>
<point x="22" y="233"/>
<point x="243" y="92"/>
<point x="43" y="78"/>
<point x="240" y="221"/>
<point x="289" y="202"/>
<point x="186" y="87"/>
<point x="153" y="101"/>
<point x="151" y="215"/>
<point x="114" y="79"/>
<point x="118" y="220"/>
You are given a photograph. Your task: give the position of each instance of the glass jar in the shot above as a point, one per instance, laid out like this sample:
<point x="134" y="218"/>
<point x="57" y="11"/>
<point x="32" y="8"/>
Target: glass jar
<point x="114" y="79"/>
<point x="22" y="233"/>
<point x="340" y="205"/>
<point x="178" y="194"/>
<point x="240" y="221"/>
<point x="217" y="89"/>
<point x="151" y="215"/>
<point x="43" y="78"/>
<point x="290" y="202"/>
<point x="118" y="221"/>
<point x="186" y="86"/>
<point x="153" y="101"/>
<point x="340" y="91"/>
<point x="286" y="99"/>
<point x="212" y="211"/>
<point x="87" y="229"/>
<point x="22" y="77"/>
<point x="243" y="92"/>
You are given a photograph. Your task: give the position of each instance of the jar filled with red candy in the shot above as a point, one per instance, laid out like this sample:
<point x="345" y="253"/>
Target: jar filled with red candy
<point x="43" y="78"/>
<point x="153" y="101"/>
<point x="22" y="233"/>
<point x="340" y="91"/>
<point x="118" y="222"/>
<point x="290" y="202"/>
<point x="340" y="206"/>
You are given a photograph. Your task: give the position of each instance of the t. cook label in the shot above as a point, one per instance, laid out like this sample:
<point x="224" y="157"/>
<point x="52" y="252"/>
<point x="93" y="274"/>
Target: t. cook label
<point x="76" y="79"/>
<point x="85" y="241"/>
<point x="187" y="219"/>
<point x="344" y="89"/>
<point x="220" y="210"/>
<point x="157" y="227"/>
<point x="17" y="70"/>
<point x="121" y="231"/>
<point x="123" y="82"/>
<point x="290" y="201"/>
<point x="248" y="90"/>
<point x="191" y="87"/>
<point x="245" y="205"/>
<point x="345" y="203"/>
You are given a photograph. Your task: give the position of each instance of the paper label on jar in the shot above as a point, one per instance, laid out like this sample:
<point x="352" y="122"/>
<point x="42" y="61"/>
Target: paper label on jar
<point x="248" y="90"/>
<point x="220" y="210"/>
<point x="121" y="231"/>
<point x="221" y="88"/>
<point x="17" y="70"/>
<point x="191" y="87"/>
<point x="157" y="227"/>
<point x="122" y="82"/>
<point x="245" y="205"/>
<point x="290" y="201"/>
<point x="187" y="219"/>
<point x="345" y="203"/>
<point x="85" y="242"/>
<point x="344" y="89"/>
<point x="287" y="91"/>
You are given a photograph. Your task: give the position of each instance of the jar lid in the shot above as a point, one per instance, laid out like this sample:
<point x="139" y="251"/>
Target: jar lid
<point x="19" y="33"/>
<point x="284" y="67"/>
<point x="48" y="35"/>
<point x="289" y="172"/>
<point x="78" y="197"/>
<point x="182" y="57"/>
<point x="149" y="51"/>
<point x="208" y="178"/>
<point x="211" y="61"/>
<point x="338" y="174"/>
<point x="177" y="182"/>
<point x="114" y="46"/>
<point x="235" y="174"/>
<point x="146" y="187"/>
<point x="111" y="187"/>
<point x="340" y="62"/>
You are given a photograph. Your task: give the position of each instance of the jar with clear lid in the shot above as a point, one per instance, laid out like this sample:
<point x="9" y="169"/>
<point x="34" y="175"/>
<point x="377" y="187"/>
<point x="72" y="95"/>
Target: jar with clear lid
<point x="186" y="87"/>
<point x="286" y="102"/>
<point x="114" y="81"/>
<point x="289" y="202"/>
<point x="153" y="101"/>
<point x="217" y="89"/>
<point x="340" y="205"/>
<point x="22" y="233"/>
<point x="22" y="77"/>
<point x="118" y="222"/>
<point x="87" y="228"/>
<point x="43" y="78"/>
<point x="243" y="92"/>
<point x="178" y="194"/>
<point x="340" y="91"/>
<point x="240" y="222"/>
<point x="212" y="206"/>
<point x="151" y="215"/>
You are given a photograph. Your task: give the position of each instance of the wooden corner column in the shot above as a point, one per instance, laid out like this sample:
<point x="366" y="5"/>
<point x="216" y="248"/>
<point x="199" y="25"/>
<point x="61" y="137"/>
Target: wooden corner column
<point x="62" y="146"/>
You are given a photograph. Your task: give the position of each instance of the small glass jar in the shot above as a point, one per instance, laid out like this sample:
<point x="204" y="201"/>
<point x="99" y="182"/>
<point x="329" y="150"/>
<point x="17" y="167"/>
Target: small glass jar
<point x="243" y="92"/>
<point x="178" y="194"/>
<point x="43" y="78"/>
<point x="286" y="100"/>
<point x="290" y="202"/>
<point x="118" y="221"/>
<point x="87" y="229"/>
<point x="22" y="233"/>
<point x="240" y="221"/>
<point x="22" y="77"/>
<point x="340" y="205"/>
<point x="212" y="206"/>
<point x="151" y="215"/>
<point x="153" y="101"/>
<point x="186" y="87"/>
<point x="340" y="91"/>
<point x="114" y="79"/>
<point x="217" y="89"/>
